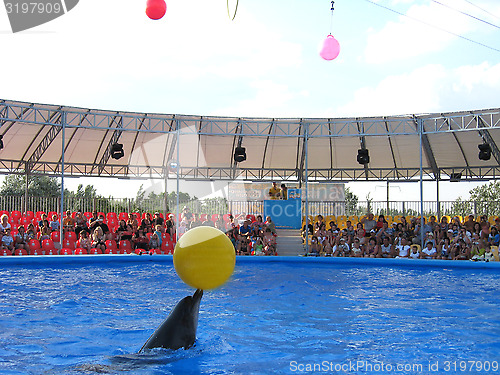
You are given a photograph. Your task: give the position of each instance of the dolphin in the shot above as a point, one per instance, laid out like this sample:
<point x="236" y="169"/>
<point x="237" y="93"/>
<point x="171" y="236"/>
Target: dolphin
<point x="179" y="329"/>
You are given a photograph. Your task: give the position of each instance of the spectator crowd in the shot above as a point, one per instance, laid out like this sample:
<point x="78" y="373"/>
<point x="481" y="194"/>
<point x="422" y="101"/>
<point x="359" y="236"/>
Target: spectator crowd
<point x="97" y="233"/>
<point x="450" y="238"/>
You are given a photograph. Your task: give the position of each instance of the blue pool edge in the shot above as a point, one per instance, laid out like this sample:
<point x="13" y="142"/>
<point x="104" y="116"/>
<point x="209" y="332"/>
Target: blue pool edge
<point x="51" y="260"/>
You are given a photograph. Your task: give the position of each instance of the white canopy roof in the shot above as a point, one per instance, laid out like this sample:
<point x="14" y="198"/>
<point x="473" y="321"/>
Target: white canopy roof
<point x="34" y="136"/>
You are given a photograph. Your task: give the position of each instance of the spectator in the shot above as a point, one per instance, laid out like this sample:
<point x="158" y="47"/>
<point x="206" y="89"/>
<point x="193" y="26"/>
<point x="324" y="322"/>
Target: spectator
<point x="469" y="223"/>
<point x="7" y="240"/>
<point x="40" y="223"/>
<point x="443" y="249"/>
<point x="357" y="249"/>
<point x="372" y="250"/>
<point x="68" y="221"/>
<point x="274" y="191"/>
<point x="429" y="251"/>
<point x="341" y="249"/>
<point x="30" y="231"/>
<point x="426" y="228"/>
<point x="22" y="239"/>
<point x="269" y="242"/>
<point x="368" y="223"/>
<point x="147" y="224"/>
<point x="186" y="214"/>
<point x="270" y="224"/>
<point x="4" y="223"/>
<point x="258" y="247"/>
<point x="132" y="221"/>
<point x="99" y="223"/>
<point x="93" y="219"/>
<point x="140" y="240"/>
<point x="220" y="223"/>
<point x="403" y="249"/>
<point x="444" y="224"/>
<point x="157" y="220"/>
<point x="154" y="242"/>
<point x="415" y="254"/>
<point x="45" y="231"/>
<point x="54" y="224"/>
<point x="80" y="222"/>
<point x="196" y="222"/>
<point x="284" y="192"/>
<point x="380" y="222"/>
<point x="84" y="242"/>
<point x="98" y="239"/>
<point x="386" y="249"/>
<point x="170" y="225"/>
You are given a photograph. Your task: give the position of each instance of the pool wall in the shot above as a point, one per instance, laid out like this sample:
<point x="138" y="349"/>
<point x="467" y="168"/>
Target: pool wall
<point x="376" y="262"/>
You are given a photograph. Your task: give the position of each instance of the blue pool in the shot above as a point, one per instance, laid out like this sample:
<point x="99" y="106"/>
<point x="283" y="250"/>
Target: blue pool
<point x="86" y="315"/>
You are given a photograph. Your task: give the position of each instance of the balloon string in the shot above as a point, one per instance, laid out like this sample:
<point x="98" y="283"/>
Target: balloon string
<point x="331" y="18"/>
<point x="235" y="10"/>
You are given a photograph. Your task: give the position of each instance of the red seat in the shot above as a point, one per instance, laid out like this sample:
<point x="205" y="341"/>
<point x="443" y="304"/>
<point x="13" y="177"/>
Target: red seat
<point x="95" y="251"/>
<point x="167" y="247"/>
<point x="111" y="244"/>
<point x="56" y="236"/>
<point x="70" y="235"/>
<point x="30" y="215"/>
<point x="148" y="235"/>
<point x="214" y="217"/>
<point x="113" y="224"/>
<point x="80" y="251"/>
<point x="16" y="214"/>
<point x="50" y="214"/>
<point x="34" y="244"/>
<point x="111" y="251"/>
<point x="123" y="216"/>
<point x="66" y="251"/>
<point x="38" y="251"/>
<point x="203" y="217"/>
<point x="165" y="237"/>
<point x="3" y="212"/>
<point x="225" y="217"/>
<point x="13" y="220"/>
<point x="251" y="218"/>
<point x="69" y="244"/>
<point x="87" y="215"/>
<point x="47" y="244"/>
<point x="111" y="215"/>
<point x="5" y="252"/>
<point x="14" y="232"/>
<point x="125" y="247"/>
<point x="20" y="252"/>
<point x="26" y="221"/>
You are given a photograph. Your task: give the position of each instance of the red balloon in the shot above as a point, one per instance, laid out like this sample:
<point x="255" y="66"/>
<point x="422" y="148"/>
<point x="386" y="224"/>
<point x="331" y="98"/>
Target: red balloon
<point x="156" y="9"/>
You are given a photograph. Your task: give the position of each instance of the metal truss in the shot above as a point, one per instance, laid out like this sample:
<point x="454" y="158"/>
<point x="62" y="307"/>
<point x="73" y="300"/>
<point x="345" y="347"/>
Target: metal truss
<point x="51" y="118"/>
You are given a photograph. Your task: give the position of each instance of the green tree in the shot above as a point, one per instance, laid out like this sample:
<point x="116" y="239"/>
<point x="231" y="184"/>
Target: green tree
<point x="38" y="186"/>
<point x="351" y="202"/>
<point x="483" y="200"/>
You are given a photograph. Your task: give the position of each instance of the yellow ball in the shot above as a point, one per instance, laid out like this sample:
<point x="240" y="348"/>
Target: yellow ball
<point x="204" y="258"/>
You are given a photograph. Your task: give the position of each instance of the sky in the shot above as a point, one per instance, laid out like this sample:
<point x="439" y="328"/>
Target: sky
<point x="264" y="63"/>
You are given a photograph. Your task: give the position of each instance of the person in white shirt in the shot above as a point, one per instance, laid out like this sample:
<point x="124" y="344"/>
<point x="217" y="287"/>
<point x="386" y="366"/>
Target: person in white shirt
<point x="429" y="251"/>
<point x="403" y="250"/>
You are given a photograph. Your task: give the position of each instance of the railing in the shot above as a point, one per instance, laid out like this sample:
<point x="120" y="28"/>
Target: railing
<point x="221" y="206"/>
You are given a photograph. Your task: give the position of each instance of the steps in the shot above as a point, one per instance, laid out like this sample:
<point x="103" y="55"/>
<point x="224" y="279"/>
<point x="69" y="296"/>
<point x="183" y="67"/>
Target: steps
<point x="289" y="242"/>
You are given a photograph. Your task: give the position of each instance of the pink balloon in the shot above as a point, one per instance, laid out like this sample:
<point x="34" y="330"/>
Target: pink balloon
<point x="331" y="48"/>
<point x="156" y="9"/>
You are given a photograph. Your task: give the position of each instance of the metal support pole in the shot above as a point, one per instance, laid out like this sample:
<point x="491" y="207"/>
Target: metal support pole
<point x="177" y="179"/>
<point x="63" y="146"/>
<point x="420" y="133"/>
<point x="387" y="195"/>
<point x="306" y="170"/>
<point x="437" y="200"/>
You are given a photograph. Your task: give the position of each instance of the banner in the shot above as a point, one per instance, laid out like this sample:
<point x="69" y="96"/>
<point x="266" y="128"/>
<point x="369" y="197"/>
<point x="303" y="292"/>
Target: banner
<point x="285" y="214"/>
<point x="259" y="191"/>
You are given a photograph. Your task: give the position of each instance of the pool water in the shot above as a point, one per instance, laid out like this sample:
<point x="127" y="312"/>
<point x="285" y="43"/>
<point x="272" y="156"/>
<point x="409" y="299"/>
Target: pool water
<point x="272" y="317"/>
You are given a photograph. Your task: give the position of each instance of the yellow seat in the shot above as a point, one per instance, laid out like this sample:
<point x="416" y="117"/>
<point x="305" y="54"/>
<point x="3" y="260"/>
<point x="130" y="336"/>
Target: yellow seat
<point x="408" y="218"/>
<point x="494" y="250"/>
<point x="342" y="218"/>
<point x="491" y="220"/>
<point x="354" y="219"/>
<point x="397" y="218"/>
